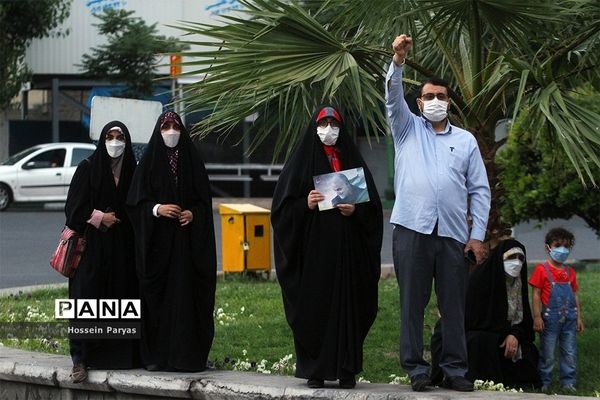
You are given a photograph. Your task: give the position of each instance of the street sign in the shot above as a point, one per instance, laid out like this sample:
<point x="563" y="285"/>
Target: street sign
<point x="138" y="115"/>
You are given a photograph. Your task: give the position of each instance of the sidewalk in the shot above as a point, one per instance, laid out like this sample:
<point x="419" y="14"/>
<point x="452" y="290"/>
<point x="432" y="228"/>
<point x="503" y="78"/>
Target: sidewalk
<point x="29" y="375"/>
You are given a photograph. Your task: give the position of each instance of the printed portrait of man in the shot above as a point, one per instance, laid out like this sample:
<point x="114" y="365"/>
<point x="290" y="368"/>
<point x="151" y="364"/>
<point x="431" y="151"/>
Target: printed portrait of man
<point x="346" y="192"/>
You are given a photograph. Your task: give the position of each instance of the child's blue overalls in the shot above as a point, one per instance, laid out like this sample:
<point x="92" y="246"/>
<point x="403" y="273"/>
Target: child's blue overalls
<point x="560" y="324"/>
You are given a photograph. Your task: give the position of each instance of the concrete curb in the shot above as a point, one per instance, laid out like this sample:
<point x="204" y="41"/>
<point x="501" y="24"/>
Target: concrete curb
<point x="387" y="271"/>
<point x="29" y="289"/>
<point x="46" y="374"/>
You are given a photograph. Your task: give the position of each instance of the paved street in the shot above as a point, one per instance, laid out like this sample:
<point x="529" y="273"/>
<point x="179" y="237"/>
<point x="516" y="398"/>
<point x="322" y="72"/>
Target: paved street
<point x="28" y="235"/>
<point x="27" y="238"/>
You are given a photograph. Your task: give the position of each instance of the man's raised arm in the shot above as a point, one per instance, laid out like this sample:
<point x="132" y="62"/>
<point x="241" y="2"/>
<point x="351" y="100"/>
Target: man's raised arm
<point x="398" y="113"/>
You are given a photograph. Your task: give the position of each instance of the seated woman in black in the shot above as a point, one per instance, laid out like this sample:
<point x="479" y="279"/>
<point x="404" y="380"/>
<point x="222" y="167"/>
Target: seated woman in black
<point x="498" y="323"/>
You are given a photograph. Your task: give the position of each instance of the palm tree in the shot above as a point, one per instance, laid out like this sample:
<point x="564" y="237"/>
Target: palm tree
<point x="281" y="59"/>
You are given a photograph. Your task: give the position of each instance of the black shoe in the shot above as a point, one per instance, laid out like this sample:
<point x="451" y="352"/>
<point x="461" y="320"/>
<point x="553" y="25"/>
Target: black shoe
<point x="152" y="367"/>
<point x="458" y="383"/>
<point x="348" y="383"/>
<point x="79" y="373"/>
<point x="315" y="383"/>
<point x="420" y="382"/>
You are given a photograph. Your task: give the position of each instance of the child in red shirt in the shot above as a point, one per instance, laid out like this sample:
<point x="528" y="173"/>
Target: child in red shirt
<point x="556" y="310"/>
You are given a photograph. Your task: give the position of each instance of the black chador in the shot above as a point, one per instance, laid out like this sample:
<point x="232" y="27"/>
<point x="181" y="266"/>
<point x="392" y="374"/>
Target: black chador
<point x="176" y="264"/>
<point x="328" y="265"/>
<point x="487" y="325"/>
<point x="107" y="269"/>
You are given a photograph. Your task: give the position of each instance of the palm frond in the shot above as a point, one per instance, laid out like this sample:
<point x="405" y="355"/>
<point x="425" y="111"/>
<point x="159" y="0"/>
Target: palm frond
<point x="282" y="59"/>
<point x="281" y="64"/>
<point x="574" y="127"/>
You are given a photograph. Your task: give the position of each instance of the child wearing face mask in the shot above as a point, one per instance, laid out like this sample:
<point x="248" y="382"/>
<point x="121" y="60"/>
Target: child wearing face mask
<point x="556" y="310"/>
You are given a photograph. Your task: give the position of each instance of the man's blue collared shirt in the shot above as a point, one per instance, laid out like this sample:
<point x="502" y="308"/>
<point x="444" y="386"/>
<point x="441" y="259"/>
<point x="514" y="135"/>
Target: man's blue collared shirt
<point x="438" y="176"/>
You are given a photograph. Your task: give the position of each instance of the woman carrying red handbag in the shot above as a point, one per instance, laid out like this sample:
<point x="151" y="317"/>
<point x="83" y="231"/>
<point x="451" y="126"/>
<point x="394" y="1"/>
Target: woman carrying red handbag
<point x="95" y="208"/>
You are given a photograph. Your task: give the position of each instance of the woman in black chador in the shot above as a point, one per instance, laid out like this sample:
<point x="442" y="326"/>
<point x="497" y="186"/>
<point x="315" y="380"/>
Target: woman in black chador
<point x="171" y="209"/>
<point x="498" y="322"/>
<point x="328" y="262"/>
<point x="95" y="207"/>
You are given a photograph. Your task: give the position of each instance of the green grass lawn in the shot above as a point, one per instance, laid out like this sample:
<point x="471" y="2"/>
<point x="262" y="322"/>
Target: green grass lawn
<point x="252" y="334"/>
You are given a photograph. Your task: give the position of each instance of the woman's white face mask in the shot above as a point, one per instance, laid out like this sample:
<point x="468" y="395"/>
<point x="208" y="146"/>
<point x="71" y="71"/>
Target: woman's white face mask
<point x="115" y="148"/>
<point x="328" y="134"/>
<point x="170" y="137"/>
<point x="513" y="267"/>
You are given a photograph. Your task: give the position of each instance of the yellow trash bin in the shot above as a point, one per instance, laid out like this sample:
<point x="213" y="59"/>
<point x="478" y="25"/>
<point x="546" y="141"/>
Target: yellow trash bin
<point x="245" y="238"/>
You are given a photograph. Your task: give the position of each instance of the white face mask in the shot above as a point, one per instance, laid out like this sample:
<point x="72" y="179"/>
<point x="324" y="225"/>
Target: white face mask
<point x="328" y="134"/>
<point x="435" y="110"/>
<point x="115" y="148"/>
<point x="171" y="137"/>
<point x="513" y="267"/>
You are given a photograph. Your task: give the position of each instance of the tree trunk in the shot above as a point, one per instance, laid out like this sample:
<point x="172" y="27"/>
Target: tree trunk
<point x="487" y="145"/>
<point x="496" y="227"/>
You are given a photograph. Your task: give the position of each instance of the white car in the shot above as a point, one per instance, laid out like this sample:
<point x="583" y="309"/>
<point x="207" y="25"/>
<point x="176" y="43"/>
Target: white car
<point x="41" y="173"/>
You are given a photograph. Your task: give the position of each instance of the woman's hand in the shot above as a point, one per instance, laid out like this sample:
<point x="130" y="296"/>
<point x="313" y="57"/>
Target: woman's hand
<point x="346" y="209"/>
<point x="313" y="198"/>
<point x="511" y="345"/>
<point x="169" y="211"/>
<point x="109" y="219"/>
<point x="186" y="217"/>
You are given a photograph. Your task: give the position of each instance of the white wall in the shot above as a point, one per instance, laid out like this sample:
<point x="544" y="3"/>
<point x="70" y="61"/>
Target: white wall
<point x="59" y="55"/>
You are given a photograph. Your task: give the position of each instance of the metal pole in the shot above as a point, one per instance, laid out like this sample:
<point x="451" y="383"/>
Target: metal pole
<point x="55" y="110"/>
<point x="180" y="103"/>
<point x="24" y="104"/>
<point x="173" y="94"/>
<point x="246" y="159"/>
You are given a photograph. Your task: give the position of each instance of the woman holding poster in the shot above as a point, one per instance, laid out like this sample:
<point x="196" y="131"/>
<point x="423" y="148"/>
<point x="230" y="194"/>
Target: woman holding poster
<point x="328" y="262"/>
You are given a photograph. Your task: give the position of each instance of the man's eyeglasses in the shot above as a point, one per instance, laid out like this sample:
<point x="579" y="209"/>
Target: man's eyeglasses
<point x="323" y="123"/>
<point x="431" y="96"/>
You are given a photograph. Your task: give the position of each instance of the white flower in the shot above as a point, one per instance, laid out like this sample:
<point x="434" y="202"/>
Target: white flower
<point x="241" y="365"/>
<point x="490" y="385"/>
<point x="399" y="380"/>
<point x="262" y="367"/>
<point x="283" y="365"/>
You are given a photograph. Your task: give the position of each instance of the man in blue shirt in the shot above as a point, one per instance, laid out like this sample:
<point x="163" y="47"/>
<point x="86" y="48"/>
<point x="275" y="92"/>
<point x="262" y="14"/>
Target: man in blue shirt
<point x="440" y="180"/>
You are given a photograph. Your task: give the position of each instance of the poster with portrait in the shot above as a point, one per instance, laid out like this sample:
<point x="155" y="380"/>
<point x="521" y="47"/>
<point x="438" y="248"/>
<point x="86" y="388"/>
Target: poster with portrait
<point x="344" y="187"/>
